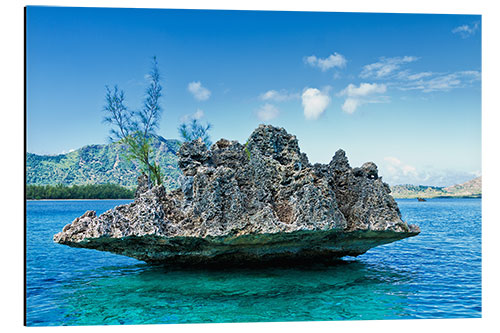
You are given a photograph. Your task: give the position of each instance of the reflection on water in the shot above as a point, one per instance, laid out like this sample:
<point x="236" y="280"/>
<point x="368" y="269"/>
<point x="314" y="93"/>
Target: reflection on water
<point x="142" y="295"/>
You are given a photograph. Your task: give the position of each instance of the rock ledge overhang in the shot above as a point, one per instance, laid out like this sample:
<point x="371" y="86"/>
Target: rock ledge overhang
<point x="258" y="202"/>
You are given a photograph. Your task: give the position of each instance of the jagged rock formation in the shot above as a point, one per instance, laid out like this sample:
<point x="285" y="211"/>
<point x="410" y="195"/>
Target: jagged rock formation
<point x="258" y="202"/>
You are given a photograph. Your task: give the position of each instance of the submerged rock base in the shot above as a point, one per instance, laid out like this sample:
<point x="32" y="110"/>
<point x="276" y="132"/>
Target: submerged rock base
<point x="245" y="204"/>
<point x="299" y="246"/>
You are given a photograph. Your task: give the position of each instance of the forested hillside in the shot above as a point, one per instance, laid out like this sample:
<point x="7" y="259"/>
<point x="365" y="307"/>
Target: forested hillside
<point x="101" y="164"/>
<point x="472" y="188"/>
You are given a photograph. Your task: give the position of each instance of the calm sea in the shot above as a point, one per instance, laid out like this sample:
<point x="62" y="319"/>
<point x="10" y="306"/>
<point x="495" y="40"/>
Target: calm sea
<point x="434" y="275"/>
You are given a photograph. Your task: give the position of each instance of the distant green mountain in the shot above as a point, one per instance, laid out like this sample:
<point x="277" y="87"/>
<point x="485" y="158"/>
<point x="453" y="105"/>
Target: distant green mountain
<point x="101" y="164"/>
<point x="472" y="188"/>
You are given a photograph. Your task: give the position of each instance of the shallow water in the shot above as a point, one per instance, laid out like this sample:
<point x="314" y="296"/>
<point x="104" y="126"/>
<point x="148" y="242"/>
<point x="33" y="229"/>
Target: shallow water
<point x="436" y="274"/>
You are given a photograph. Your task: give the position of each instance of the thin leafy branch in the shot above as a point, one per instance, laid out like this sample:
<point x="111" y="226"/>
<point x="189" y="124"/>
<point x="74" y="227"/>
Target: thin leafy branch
<point x="134" y="130"/>
<point x="195" y="131"/>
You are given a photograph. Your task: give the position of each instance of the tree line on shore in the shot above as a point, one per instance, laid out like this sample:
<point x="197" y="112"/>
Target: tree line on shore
<point x="91" y="191"/>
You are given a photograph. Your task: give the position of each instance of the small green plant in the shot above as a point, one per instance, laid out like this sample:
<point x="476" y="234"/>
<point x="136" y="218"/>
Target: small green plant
<point x="247" y="151"/>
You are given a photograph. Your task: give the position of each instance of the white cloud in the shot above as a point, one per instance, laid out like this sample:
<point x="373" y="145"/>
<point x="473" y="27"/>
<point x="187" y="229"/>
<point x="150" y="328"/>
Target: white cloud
<point x="441" y="82"/>
<point x="278" y="96"/>
<point x="466" y="30"/>
<point x="66" y="151"/>
<point x="394" y="171"/>
<point x="199" y="92"/>
<point x="350" y="105"/>
<point x="364" y="89"/>
<point x="418" y="76"/>
<point x="408" y="170"/>
<point x="314" y="102"/>
<point x="334" y="60"/>
<point x="267" y="112"/>
<point x="385" y="67"/>
<point x="392" y="160"/>
<point x="474" y="75"/>
<point x="197" y="115"/>
<point x="445" y="82"/>
<point x="357" y="96"/>
<point x="390" y="70"/>
<point x="397" y="172"/>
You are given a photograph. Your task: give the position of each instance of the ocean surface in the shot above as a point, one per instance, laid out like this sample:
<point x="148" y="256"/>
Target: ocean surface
<point x="436" y="274"/>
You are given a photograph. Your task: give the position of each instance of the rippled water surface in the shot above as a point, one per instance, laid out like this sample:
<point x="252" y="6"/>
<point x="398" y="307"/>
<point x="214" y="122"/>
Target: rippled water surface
<point x="434" y="275"/>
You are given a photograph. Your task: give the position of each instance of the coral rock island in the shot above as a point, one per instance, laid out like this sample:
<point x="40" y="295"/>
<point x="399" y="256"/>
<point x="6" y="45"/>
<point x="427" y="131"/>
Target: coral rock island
<point x="253" y="203"/>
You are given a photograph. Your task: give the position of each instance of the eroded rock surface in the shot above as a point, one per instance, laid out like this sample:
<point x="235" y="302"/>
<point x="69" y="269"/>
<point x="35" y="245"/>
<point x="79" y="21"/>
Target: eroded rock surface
<point x="257" y="202"/>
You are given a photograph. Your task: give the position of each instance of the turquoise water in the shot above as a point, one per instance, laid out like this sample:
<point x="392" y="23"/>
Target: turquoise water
<point x="434" y="275"/>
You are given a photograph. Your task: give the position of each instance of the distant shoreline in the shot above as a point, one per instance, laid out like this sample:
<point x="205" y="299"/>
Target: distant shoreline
<point x="77" y="192"/>
<point x="442" y="197"/>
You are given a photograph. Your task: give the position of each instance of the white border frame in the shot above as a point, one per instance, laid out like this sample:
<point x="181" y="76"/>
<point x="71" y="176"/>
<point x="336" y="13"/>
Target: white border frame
<point x="12" y="138"/>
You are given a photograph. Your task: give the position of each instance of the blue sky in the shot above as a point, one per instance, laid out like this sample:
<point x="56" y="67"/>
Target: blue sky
<point x="401" y="90"/>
